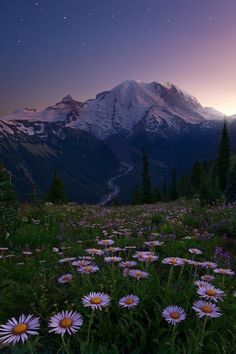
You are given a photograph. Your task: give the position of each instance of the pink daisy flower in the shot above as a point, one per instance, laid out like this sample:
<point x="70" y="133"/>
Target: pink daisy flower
<point x="207" y="277"/>
<point x="96" y="300"/>
<point x="138" y="274"/>
<point x="113" y="249"/>
<point x="211" y="293"/>
<point x="174" y="314"/>
<point x="19" y="330"/>
<point x="81" y="263"/>
<point x="174" y="261"/>
<point x="88" y="269"/>
<point x="106" y="243"/>
<point x="127" y="264"/>
<point x="208" y="265"/>
<point x="66" y="260"/>
<point x="148" y="258"/>
<point x="65" y="278"/>
<point x="94" y="251"/>
<point x="65" y="322"/>
<point x="194" y="251"/>
<point x="112" y="259"/>
<point x="201" y="283"/>
<point x="153" y="243"/>
<point x="129" y="301"/>
<point x="206" y="308"/>
<point x="224" y="271"/>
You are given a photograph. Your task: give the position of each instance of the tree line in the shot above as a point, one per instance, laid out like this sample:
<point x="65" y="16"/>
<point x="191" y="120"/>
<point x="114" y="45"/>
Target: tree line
<point x="209" y="181"/>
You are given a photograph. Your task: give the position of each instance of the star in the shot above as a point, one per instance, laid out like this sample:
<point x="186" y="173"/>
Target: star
<point x="64" y="18"/>
<point x="112" y="16"/>
<point x="210" y="18"/>
<point x="36" y="4"/>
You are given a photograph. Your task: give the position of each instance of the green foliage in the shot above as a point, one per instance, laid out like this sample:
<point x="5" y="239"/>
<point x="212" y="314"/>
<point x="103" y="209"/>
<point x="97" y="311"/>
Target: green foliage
<point x="231" y="185"/>
<point x="56" y="193"/>
<point x="29" y="283"/>
<point x="8" y="202"/>
<point x="196" y="177"/>
<point x="173" y="191"/>
<point x="223" y="160"/>
<point x="203" y="183"/>
<point x="156" y="195"/>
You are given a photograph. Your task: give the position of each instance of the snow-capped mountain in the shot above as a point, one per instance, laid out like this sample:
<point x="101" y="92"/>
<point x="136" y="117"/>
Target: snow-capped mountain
<point x="118" y="111"/>
<point x="122" y="108"/>
<point x="88" y="141"/>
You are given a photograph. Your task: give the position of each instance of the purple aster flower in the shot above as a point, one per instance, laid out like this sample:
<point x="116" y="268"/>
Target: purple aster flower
<point x="211" y="293"/>
<point x="174" y="261"/>
<point x="19" y="330"/>
<point x="65" y="322"/>
<point x="88" y="269"/>
<point x="174" y="314"/>
<point x="96" y="300"/>
<point x="129" y="301"/>
<point x="65" y="278"/>
<point x="138" y="274"/>
<point x="206" y="308"/>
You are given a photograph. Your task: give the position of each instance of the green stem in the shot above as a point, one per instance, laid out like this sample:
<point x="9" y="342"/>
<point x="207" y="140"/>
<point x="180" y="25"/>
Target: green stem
<point x="67" y="351"/>
<point x="181" y="272"/>
<point x="30" y="346"/>
<point x="203" y="333"/>
<point x="90" y="326"/>
<point x="173" y="349"/>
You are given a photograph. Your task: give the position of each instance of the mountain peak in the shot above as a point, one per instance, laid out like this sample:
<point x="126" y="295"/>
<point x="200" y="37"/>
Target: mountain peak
<point x="67" y="99"/>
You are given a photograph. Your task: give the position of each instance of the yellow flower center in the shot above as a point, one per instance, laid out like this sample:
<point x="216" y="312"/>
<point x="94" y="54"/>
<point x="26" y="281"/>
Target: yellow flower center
<point x="139" y="274"/>
<point x="129" y="301"/>
<point x="173" y="261"/>
<point x="96" y="300"/>
<point x="175" y="315"/>
<point x="88" y="268"/>
<point x="211" y="292"/>
<point x="20" y="328"/>
<point x="149" y="258"/>
<point x="66" y="323"/>
<point x="206" y="309"/>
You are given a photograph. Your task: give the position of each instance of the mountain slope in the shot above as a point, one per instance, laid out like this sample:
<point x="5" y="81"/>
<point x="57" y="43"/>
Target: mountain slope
<point x="89" y="142"/>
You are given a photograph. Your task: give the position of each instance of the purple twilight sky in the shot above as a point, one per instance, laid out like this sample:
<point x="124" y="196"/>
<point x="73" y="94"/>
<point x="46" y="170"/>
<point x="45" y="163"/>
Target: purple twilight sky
<point x="50" y="48"/>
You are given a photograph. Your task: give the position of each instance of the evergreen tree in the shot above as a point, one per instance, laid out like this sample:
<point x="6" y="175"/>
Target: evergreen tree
<point x="146" y="182"/>
<point x="156" y="195"/>
<point x="215" y="188"/>
<point x="173" y="191"/>
<point x="196" y="177"/>
<point x="56" y="193"/>
<point x="223" y="160"/>
<point x="231" y="185"/>
<point x="137" y="196"/>
<point x="184" y="186"/>
<point x="8" y="202"/>
<point x="34" y="195"/>
<point x="164" y="192"/>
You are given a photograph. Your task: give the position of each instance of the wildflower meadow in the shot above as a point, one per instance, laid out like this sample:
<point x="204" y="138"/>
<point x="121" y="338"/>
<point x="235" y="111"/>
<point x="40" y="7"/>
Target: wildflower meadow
<point x="115" y="280"/>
